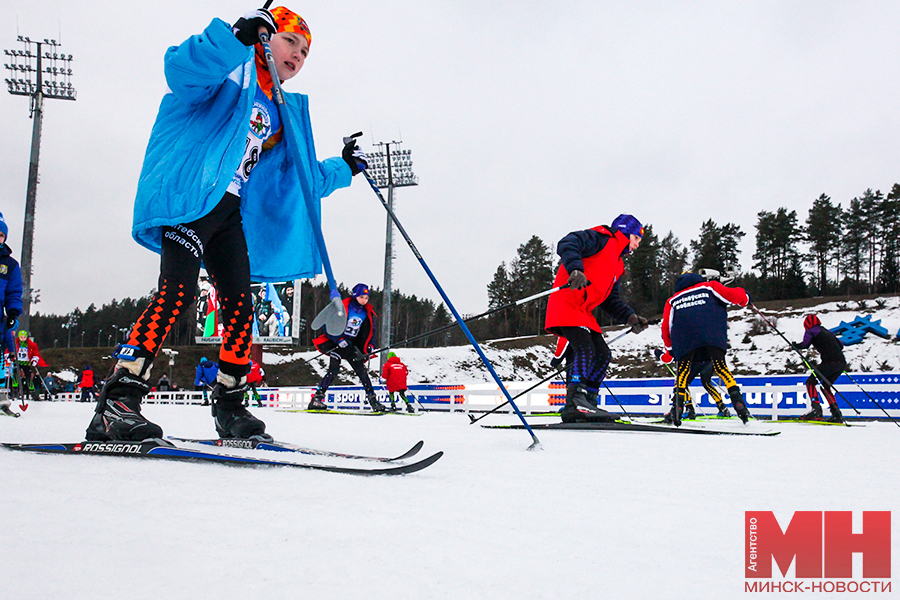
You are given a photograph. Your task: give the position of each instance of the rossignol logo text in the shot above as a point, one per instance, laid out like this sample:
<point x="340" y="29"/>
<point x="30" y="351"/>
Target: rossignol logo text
<point x="236" y="444"/>
<point x="111" y="448"/>
<point x="820" y="545"/>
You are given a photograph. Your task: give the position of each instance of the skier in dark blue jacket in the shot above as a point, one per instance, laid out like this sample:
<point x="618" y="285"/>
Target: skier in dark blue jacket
<point x="10" y="305"/>
<point x="695" y="325"/>
<point x="831" y="350"/>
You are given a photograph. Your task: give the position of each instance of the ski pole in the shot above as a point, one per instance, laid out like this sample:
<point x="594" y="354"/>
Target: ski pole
<point x="686" y="390"/>
<point x="333" y="316"/>
<point x="517" y="396"/>
<point x="454" y="323"/>
<point x="535" y="444"/>
<point x="617" y="401"/>
<point x="473" y="318"/>
<point x="809" y="366"/>
<point x="20" y="375"/>
<point x="872" y="399"/>
<point x="545" y="380"/>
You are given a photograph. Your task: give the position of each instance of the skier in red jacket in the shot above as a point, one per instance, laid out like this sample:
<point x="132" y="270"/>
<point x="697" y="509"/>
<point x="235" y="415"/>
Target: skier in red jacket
<point x="592" y="265"/>
<point x="394" y="374"/>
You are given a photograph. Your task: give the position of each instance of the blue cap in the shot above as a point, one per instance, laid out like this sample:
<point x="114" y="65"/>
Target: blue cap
<point x="628" y="225"/>
<point x="360" y="289"/>
<point x="3" y="228"/>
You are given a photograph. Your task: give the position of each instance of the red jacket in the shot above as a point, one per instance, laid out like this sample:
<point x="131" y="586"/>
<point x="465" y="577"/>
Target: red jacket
<point x="87" y="379"/>
<point x="29" y="354"/>
<point x="394" y="374"/>
<point x="573" y="308"/>
<point x="255" y="375"/>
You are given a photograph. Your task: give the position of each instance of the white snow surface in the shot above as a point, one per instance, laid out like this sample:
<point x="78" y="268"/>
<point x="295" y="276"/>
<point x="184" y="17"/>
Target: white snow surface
<point x="591" y="515"/>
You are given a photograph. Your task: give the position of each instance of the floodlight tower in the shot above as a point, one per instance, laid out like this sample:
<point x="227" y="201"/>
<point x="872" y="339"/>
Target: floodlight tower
<point x="390" y="167"/>
<point x="29" y="76"/>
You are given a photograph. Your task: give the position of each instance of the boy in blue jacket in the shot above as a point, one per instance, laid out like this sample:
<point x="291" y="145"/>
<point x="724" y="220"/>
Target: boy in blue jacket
<point x="219" y="186"/>
<point x="11" y="305"/>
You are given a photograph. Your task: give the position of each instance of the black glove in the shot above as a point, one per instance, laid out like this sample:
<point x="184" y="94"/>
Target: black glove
<point x="577" y="280"/>
<point x="355" y="158"/>
<point x="638" y="324"/>
<point x="657" y="353"/>
<point x="358" y="356"/>
<point x="246" y="29"/>
<point x="796" y="346"/>
<point x="12" y="319"/>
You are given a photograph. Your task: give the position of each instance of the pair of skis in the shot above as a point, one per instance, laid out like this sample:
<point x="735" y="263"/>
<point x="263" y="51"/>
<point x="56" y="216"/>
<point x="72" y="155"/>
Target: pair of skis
<point x="632" y="426"/>
<point x="359" y="413"/>
<point x="206" y="450"/>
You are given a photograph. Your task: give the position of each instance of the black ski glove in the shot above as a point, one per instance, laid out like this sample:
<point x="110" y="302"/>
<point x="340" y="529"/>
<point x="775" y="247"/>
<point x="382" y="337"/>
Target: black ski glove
<point x="577" y="280"/>
<point x="246" y="29"/>
<point x="637" y="323"/>
<point x="11" y="322"/>
<point x="355" y="158"/>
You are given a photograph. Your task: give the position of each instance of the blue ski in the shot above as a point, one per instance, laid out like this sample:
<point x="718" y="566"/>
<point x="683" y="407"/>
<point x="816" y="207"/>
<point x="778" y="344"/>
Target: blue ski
<point x="275" y="446"/>
<point x="162" y="449"/>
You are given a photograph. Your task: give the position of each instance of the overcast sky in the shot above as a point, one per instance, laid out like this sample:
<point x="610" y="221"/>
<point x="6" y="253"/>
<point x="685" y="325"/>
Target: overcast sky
<point x="524" y="118"/>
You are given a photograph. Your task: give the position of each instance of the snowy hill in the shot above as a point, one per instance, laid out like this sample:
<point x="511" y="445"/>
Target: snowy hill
<point x="754" y="349"/>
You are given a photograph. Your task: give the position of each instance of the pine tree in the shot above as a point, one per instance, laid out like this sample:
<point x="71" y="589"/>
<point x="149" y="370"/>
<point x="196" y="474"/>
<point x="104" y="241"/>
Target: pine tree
<point x="673" y="257"/>
<point x="777" y="256"/>
<point x="643" y="286"/>
<point x="889" y="280"/>
<point x="823" y="232"/>
<point x="853" y="246"/>
<point x="716" y="247"/>
<point x="531" y="272"/>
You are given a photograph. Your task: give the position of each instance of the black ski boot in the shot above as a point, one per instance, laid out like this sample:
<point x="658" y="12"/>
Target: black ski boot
<point x="836" y="416"/>
<point x="581" y="406"/>
<point x="737" y="401"/>
<point x="318" y="401"/>
<point x="677" y="408"/>
<point x="815" y="412"/>
<point x="724" y="413"/>
<point x="118" y="413"/>
<point x="375" y="404"/>
<point x="232" y="419"/>
<point x="689" y="413"/>
<point x="409" y="408"/>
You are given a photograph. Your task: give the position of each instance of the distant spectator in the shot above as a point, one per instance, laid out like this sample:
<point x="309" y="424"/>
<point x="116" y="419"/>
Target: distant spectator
<point x="52" y="385"/>
<point x="205" y="378"/>
<point x="86" y="383"/>
<point x="164" y="385"/>
<point x="254" y="379"/>
<point x="394" y="374"/>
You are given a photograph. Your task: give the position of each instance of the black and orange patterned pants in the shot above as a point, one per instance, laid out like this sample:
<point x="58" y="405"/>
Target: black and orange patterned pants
<point x="216" y="239"/>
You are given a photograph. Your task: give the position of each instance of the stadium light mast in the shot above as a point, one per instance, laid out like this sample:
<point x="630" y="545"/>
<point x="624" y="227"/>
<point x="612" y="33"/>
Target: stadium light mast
<point x="29" y="75"/>
<point x="390" y="168"/>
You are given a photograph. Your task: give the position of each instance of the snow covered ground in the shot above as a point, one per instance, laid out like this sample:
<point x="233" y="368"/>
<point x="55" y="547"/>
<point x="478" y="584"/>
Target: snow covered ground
<point x="592" y="515"/>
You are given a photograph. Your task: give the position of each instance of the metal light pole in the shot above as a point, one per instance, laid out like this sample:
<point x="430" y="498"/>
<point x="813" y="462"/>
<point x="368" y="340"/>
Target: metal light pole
<point x="29" y="77"/>
<point x="390" y="168"/>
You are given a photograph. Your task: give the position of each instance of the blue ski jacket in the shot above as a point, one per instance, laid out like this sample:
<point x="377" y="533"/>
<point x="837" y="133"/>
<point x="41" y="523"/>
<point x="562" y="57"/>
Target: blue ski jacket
<point x="10" y="283"/>
<point x="695" y="316"/>
<point x="196" y="146"/>
<point x="206" y="373"/>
